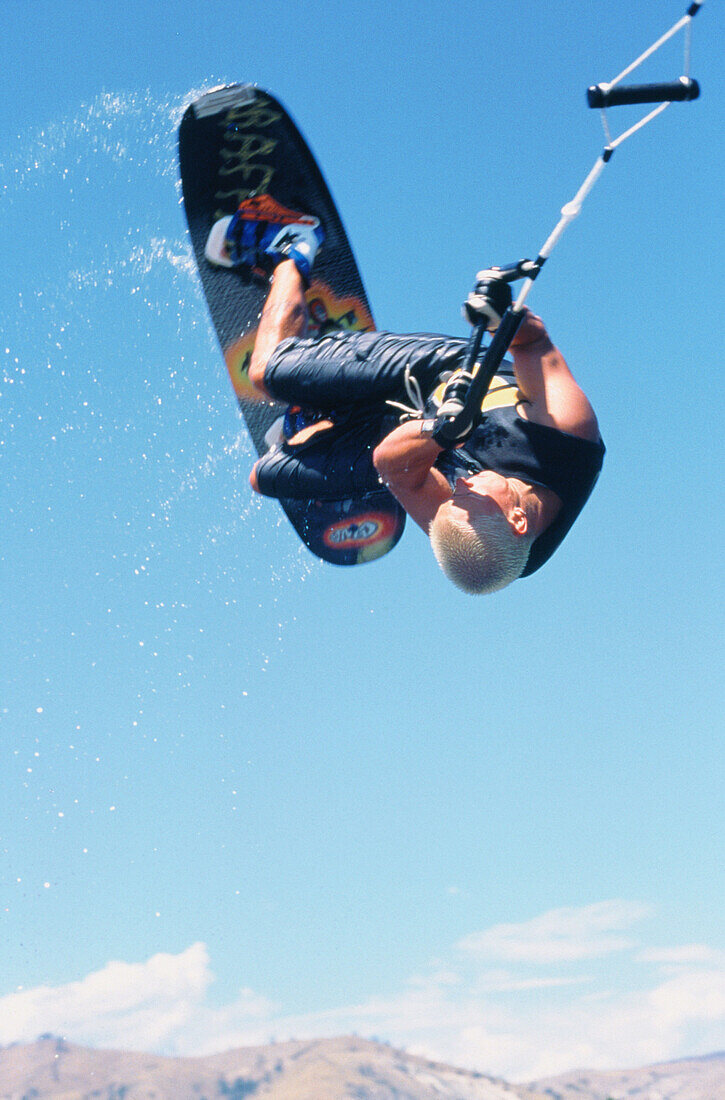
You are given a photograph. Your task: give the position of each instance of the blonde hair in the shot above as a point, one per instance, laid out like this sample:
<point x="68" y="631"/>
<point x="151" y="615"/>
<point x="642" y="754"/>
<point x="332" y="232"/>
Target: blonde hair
<point x="480" y="555"/>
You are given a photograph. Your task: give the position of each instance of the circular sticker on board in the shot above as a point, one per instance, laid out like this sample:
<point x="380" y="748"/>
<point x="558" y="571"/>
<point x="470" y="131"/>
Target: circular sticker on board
<point x="363" y="530"/>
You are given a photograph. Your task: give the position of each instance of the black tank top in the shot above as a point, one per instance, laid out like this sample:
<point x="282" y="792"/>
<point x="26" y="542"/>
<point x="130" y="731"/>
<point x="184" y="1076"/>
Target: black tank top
<point x="540" y="455"/>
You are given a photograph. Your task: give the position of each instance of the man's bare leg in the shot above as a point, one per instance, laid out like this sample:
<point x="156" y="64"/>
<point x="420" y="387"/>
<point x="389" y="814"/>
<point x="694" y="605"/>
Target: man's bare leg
<point x="284" y="314"/>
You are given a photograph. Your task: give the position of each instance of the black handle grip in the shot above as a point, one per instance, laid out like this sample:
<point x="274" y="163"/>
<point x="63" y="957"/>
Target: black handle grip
<point x="677" y="91"/>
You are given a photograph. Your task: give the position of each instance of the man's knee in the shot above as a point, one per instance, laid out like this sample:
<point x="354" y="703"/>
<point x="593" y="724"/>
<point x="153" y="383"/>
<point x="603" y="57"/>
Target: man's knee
<point x="261" y="356"/>
<point x="257" y="368"/>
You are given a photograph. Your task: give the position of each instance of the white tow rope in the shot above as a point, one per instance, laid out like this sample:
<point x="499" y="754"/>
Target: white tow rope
<point x="604" y="95"/>
<point x="465" y="410"/>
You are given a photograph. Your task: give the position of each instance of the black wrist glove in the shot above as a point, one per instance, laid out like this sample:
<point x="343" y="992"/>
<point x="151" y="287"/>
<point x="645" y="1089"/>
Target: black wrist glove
<point x="488" y="301"/>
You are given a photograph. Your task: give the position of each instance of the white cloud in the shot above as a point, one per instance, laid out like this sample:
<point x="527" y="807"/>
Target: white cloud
<point x="132" y="1005"/>
<point x="686" y="953"/>
<point x="463" y="1011"/>
<point x="504" y="981"/>
<point x="690" y="996"/>
<point x="118" y="991"/>
<point x="560" y="935"/>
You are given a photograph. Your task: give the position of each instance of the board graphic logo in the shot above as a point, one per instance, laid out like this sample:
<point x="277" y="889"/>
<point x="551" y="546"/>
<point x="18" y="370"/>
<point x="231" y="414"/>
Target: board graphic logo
<point x="246" y="152"/>
<point x="359" y="531"/>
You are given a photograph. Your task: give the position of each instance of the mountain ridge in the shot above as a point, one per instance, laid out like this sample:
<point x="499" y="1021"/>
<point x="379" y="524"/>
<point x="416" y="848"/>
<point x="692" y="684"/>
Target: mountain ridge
<point x="342" y="1068"/>
<point x="699" y="1077"/>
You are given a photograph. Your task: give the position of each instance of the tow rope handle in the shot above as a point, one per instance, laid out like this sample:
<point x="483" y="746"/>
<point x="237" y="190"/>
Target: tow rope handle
<point x="457" y="425"/>
<point x="679" y="91"/>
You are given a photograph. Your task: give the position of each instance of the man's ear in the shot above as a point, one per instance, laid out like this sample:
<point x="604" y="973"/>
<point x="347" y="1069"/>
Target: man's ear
<point x="519" y="521"/>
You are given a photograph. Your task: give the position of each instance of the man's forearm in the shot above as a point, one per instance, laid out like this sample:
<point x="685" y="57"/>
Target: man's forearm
<point x="546" y="383"/>
<point x="534" y="357"/>
<point x="405" y="456"/>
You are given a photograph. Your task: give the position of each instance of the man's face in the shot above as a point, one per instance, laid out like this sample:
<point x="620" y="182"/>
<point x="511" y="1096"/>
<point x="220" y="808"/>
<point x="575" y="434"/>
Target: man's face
<point x="486" y="492"/>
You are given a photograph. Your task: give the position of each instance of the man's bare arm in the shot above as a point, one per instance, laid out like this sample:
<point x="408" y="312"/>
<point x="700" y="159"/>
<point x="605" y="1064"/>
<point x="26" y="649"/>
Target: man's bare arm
<point x="552" y="395"/>
<point x="404" y="459"/>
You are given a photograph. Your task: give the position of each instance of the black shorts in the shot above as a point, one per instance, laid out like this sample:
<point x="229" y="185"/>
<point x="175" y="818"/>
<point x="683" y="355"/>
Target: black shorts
<point x="351" y="375"/>
<point x="358" y="368"/>
<point x="335" y="464"/>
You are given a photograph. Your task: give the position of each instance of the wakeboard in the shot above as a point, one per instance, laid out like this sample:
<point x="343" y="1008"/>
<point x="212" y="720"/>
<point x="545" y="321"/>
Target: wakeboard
<point x="236" y="142"/>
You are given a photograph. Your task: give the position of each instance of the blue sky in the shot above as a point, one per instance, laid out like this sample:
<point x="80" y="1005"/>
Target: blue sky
<point x="245" y="795"/>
